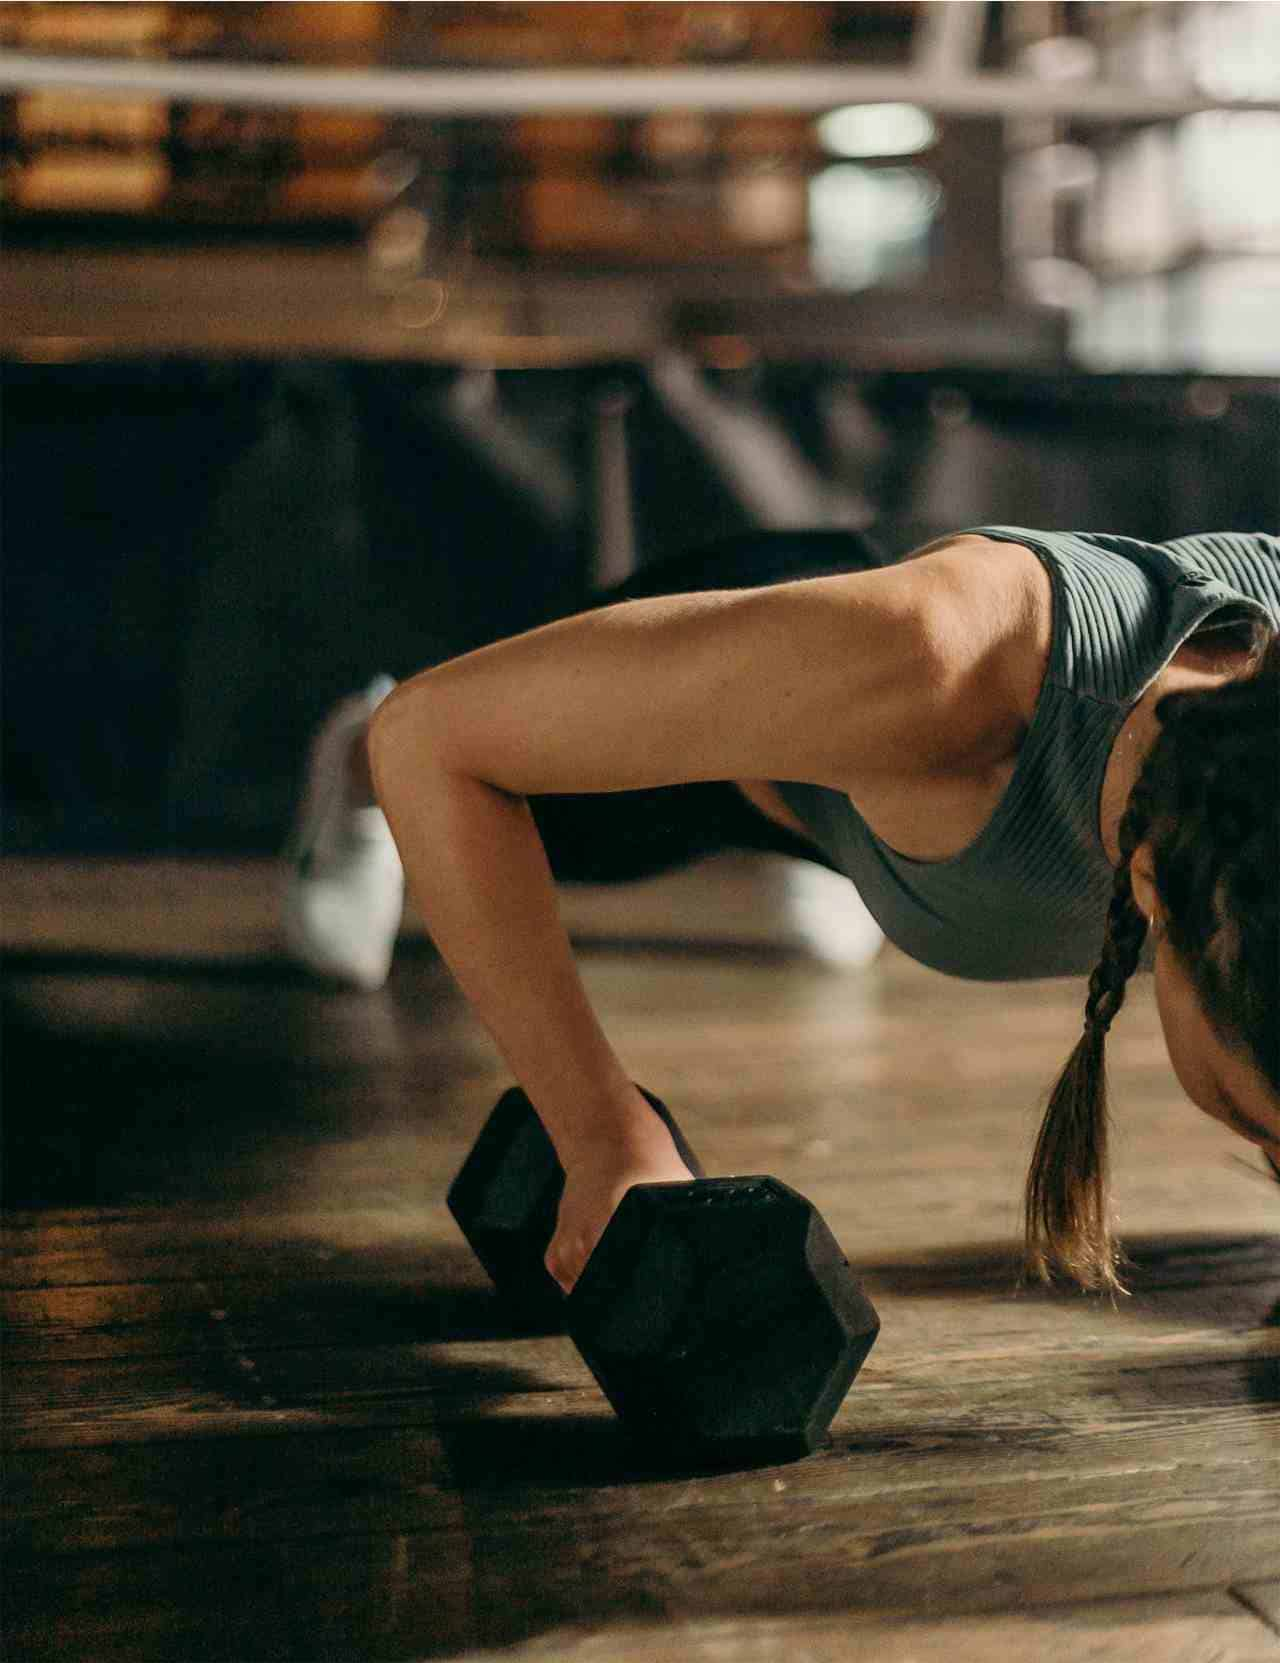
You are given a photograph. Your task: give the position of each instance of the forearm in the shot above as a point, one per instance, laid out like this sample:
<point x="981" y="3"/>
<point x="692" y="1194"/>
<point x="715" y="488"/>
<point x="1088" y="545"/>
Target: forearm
<point x="479" y="875"/>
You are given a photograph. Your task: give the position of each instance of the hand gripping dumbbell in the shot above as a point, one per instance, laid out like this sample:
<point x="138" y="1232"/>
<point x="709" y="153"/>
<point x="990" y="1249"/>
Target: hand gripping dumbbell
<point x="719" y="1316"/>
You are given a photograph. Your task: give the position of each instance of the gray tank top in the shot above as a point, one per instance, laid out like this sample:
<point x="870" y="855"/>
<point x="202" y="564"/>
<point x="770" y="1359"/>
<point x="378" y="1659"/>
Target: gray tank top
<point x="1028" y="897"/>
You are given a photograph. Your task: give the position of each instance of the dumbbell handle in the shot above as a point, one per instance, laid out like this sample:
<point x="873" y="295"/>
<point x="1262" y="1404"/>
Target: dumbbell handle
<point x="510" y="1244"/>
<point x="668" y="1120"/>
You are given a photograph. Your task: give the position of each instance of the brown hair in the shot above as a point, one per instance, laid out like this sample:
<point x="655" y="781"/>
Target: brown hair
<point x="1208" y="802"/>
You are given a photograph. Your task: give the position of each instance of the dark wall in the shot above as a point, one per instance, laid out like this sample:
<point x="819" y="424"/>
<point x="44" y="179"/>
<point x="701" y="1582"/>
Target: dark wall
<point x="200" y="557"/>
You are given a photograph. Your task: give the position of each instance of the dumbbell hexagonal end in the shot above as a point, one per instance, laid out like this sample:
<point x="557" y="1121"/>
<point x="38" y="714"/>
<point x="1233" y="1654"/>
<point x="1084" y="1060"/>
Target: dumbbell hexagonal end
<point x="721" y="1319"/>
<point x="505" y="1199"/>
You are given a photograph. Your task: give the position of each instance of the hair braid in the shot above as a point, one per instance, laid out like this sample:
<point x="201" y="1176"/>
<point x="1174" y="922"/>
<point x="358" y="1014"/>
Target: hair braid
<point x="1068" y="1224"/>
<point x="1126" y="928"/>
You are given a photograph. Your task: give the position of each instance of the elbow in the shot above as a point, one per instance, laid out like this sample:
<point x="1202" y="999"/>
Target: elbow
<point x="422" y="730"/>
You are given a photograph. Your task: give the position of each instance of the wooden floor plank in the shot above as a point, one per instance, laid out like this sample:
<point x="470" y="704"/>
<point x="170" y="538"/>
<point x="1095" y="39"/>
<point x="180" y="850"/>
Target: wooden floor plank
<point x="338" y="1482"/>
<point x="407" y="1223"/>
<point x="87" y="1404"/>
<point x="435" y="1293"/>
<point x="616" y="1550"/>
<point x="377" y="1596"/>
<point x="1188" y="1629"/>
<point x="1165" y="1356"/>
<point x="244" y="1619"/>
<point x="1264" y="1598"/>
<point x="929" y="1492"/>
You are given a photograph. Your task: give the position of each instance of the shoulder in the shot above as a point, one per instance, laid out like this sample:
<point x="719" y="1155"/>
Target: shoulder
<point x="1224" y="546"/>
<point x="930" y="666"/>
<point x="987" y="604"/>
<point x="1246" y="562"/>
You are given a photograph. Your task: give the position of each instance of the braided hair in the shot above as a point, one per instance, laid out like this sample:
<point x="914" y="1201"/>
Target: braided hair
<point x="1208" y="802"/>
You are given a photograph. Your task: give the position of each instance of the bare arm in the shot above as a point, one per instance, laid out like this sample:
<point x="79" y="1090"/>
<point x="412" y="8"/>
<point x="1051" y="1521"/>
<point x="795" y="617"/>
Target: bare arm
<point x="830" y="681"/>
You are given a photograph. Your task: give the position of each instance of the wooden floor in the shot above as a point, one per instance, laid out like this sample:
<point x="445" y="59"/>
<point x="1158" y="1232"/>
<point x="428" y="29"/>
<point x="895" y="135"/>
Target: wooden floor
<point x="260" y="1404"/>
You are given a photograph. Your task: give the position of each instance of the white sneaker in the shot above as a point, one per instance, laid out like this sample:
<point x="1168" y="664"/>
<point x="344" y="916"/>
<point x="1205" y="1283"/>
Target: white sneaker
<point x="829" y="916"/>
<point x="344" y="891"/>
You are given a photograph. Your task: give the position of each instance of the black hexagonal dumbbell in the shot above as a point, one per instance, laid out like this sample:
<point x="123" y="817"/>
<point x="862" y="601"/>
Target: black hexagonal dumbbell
<point x="719" y="1316"/>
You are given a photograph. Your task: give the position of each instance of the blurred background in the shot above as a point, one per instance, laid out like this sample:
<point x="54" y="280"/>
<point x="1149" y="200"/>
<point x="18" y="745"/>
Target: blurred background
<point x="336" y="338"/>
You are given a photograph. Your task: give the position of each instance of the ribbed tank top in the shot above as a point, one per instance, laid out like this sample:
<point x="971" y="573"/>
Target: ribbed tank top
<point x="1028" y="897"/>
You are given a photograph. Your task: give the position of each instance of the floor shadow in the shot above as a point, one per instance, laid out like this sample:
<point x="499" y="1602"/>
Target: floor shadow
<point x="1156" y="1263"/>
<point x="1152" y="1264"/>
<point x="918" y="1438"/>
<point x="262" y="968"/>
<point x="182" y="1106"/>
<point x="978" y="1270"/>
<point x="95" y="1119"/>
<point x="574" y="1451"/>
<point x="1177" y="1279"/>
<point x="683" y="950"/>
<point x="382" y="1379"/>
<point x="1262" y="1374"/>
<point x="373" y="1303"/>
<point x="276" y="970"/>
<point x="252" y="970"/>
<point x="451" y="1313"/>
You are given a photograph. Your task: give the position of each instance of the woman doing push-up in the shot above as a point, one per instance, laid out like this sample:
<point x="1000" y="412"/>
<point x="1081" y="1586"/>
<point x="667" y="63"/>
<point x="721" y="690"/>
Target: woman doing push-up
<point x="1033" y="753"/>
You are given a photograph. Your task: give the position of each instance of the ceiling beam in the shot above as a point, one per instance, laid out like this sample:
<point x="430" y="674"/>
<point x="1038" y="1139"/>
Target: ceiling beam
<point x="446" y="93"/>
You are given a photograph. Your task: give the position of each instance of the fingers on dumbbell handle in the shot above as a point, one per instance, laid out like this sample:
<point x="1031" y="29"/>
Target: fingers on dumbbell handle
<point x="505" y="1199"/>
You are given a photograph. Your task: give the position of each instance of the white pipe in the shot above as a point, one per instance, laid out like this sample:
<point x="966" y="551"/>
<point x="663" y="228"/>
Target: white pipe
<point x="481" y="92"/>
